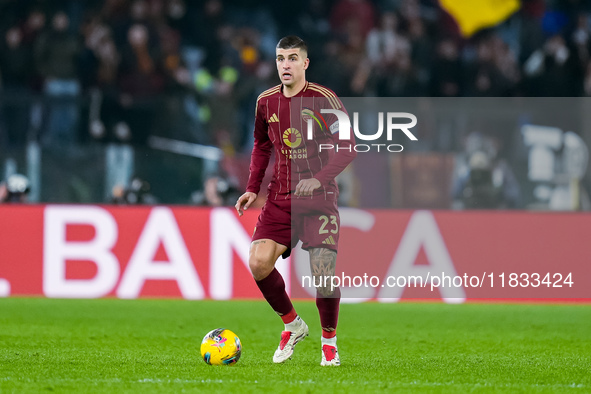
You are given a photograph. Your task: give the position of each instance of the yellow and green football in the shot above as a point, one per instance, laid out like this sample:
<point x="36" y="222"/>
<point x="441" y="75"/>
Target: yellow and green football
<point x="221" y="347"/>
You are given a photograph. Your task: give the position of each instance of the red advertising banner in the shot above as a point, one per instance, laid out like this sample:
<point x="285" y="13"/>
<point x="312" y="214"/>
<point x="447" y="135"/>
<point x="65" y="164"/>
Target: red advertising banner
<point x="78" y="251"/>
<point x="460" y="256"/>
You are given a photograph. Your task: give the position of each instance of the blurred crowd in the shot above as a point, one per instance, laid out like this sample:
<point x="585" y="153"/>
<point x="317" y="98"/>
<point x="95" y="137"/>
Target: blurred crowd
<point x="76" y="71"/>
<point x="126" y="69"/>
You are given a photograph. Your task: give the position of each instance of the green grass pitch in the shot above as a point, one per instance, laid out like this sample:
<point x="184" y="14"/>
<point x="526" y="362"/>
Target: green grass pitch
<point x="109" y="345"/>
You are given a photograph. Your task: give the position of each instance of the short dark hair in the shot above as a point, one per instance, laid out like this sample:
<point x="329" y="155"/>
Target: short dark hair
<point x="291" y="42"/>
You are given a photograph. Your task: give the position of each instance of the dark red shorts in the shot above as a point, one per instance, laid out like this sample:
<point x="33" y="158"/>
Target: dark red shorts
<point x="314" y="222"/>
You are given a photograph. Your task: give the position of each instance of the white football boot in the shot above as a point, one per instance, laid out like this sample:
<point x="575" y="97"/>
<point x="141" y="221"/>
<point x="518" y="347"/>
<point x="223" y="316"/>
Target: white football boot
<point x="288" y="341"/>
<point x="330" y="353"/>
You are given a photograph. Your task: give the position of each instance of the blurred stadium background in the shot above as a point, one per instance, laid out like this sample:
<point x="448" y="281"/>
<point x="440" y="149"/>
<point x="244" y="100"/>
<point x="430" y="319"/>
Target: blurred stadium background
<point x="150" y="101"/>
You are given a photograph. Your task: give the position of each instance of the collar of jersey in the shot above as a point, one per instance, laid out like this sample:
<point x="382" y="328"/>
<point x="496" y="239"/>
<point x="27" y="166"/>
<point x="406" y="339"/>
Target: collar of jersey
<point x="298" y="93"/>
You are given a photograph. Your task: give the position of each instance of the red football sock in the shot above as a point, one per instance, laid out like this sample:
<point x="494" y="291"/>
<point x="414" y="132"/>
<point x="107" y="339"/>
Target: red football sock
<point x="289" y="317"/>
<point x="328" y="307"/>
<point x="273" y="289"/>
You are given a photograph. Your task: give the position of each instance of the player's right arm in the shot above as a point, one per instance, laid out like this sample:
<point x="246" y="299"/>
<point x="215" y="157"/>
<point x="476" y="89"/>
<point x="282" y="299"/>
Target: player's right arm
<point x="259" y="160"/>
<point x="245" y="201"/>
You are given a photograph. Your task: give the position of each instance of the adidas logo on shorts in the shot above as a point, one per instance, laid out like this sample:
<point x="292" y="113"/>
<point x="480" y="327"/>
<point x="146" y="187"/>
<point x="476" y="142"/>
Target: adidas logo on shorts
<point x="329" y="241"/>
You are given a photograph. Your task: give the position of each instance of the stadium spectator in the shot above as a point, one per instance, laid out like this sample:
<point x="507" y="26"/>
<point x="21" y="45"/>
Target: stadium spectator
<point x="494" y="73"/>
<point x="447" y="70"/>
<point x="312" y="25"/>
<point x="141" y="79"/>
<point x="390" y="56"/>
<point x="57" y="54"/>
<point x="100" y="58"/>
<point x="355" y="64"/>
<point x="16" y="76"/>
<point x="552" y="70"/>
<point x="16" y="61"/>
<point x="33" y="26"/>
<point x="141" y="69"/>
<point x="337" y="77"/>
<point x="581" y="39"/>
<point x="357" y="16"/>
<point x="210" y="31"/>
<point x="179" y="17"/>
<point x="223" y="103"/>
<point x="421" y="58"/>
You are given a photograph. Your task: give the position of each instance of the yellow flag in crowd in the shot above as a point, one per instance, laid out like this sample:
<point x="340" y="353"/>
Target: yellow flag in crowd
<point x="473" y="15"/>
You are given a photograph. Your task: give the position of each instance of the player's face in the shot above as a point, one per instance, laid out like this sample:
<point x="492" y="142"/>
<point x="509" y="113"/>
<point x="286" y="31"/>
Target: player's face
<point x="291" y="65"/>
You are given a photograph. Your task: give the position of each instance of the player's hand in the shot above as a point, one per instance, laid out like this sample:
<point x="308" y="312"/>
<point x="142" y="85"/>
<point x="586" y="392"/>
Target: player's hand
<point x="307" y="186"/>
<point x="244" y="202"/>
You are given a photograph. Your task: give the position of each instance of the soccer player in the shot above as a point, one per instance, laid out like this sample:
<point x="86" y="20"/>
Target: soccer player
<point x="302" y="196"/>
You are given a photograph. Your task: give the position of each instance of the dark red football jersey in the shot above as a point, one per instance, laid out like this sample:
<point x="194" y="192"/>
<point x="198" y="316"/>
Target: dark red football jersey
<point x="282" y="124"/>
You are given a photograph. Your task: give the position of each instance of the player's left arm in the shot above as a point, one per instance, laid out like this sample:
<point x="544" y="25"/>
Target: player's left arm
<point x="343" y="156"/>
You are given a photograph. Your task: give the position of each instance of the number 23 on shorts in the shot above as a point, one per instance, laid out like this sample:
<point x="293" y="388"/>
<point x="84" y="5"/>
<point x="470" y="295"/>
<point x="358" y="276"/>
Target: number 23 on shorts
<point x="331" y="223"/>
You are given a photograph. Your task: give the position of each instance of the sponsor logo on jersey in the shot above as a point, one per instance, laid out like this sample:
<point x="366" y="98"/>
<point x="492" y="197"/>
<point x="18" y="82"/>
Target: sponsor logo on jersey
<point x="310" y="114"/>
<point x="292" y="138"/>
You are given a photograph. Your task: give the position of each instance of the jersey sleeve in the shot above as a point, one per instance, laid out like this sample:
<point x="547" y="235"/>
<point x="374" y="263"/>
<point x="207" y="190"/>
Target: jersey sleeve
<point x="261" y="151"/>
<point x="344" y="151"/>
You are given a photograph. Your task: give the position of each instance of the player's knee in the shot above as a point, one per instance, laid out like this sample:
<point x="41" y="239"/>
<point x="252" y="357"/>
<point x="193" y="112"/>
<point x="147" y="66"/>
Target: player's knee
<point x="260" y="265"/>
